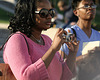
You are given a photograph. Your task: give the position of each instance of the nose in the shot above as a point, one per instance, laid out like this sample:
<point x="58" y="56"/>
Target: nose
<point x="49" y="16"/>
<point x="90" y="7"/>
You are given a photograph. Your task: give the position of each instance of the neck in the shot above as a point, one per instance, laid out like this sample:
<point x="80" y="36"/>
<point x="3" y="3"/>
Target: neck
<point x="85" y="26"/>
<point x="36" y="33"/>
<point x="36" y="37"/>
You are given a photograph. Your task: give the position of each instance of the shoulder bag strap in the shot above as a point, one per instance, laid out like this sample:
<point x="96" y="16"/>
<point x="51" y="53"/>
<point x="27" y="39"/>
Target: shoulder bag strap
<point x="10" y="36"/>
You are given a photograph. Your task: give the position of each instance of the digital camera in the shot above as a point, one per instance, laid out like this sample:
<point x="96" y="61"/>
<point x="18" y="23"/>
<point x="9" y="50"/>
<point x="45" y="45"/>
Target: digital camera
<point x="68" y="37"/>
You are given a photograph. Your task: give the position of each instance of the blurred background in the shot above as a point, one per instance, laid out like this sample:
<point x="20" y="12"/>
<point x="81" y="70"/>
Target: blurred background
<point x="7" y="10"/>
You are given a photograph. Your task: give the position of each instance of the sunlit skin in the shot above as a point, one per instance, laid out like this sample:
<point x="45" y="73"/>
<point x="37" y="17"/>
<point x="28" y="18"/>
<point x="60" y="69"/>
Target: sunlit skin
<point x="85" y="16"/>
<point x="42" y="23"/>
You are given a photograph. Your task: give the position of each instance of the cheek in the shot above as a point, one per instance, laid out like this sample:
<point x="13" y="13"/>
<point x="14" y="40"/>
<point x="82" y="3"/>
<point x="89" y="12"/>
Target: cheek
<point x="82" y="12"/>
<point x="39" y="21"/>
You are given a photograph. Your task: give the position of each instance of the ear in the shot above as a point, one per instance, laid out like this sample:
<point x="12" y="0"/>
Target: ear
<point x="37" y="19"/>
<point x="75" y="12"/>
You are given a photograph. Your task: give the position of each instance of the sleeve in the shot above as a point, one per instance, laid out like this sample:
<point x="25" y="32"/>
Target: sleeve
<point x="20" y="62"/>
<point x="66" y="73"/>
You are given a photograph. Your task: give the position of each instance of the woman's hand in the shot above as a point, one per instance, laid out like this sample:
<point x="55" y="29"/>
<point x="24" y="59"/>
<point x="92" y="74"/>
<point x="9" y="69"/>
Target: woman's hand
<point x="56" y="44"/>
<point x="73" y="45"/>
<point x="58" y="39"/>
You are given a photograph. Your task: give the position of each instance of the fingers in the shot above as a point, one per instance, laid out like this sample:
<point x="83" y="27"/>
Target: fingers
<point x="61" y="31"/>
<point x="74" y="40"/>
<point x="59" y="35"/>
<point x="69" y="45"/>
<point x="62" y="34"/>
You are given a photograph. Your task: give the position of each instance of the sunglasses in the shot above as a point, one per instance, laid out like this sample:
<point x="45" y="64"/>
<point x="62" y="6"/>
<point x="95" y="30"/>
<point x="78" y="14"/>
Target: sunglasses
<point x="44" y="13"/>
<point x="88" y="6"/>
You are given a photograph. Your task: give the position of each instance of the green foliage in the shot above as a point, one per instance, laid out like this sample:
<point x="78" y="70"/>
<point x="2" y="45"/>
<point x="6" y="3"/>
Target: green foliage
<point x="96" y="21"/>
<point x="4" y="16"/>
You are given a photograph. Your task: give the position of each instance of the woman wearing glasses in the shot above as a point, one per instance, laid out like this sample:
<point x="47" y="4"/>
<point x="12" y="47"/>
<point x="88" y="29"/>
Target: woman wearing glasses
<point x="39" y="59"/>
<point x="85" y="10"/>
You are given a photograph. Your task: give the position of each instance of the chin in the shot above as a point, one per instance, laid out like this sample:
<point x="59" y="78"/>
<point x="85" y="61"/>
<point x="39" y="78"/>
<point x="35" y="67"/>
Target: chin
<point x="91" y="17"/>
<point x="45" y="30"/>
<point x="48" y="26"/>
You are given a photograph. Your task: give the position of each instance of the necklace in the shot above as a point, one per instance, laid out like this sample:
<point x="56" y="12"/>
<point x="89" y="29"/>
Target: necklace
<point x="38" y="41"/>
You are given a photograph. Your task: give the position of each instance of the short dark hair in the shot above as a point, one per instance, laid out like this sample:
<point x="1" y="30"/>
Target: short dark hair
<point x="75" y="3"/>
<point x="24" y="17"/>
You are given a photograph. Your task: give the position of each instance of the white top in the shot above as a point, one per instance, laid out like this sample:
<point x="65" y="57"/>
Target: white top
<point x="82" y="37"/>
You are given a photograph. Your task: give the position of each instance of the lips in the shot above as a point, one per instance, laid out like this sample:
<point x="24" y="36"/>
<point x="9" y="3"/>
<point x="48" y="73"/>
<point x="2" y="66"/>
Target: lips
<point x="91" y="12"/>
<point x="48" y="22"/>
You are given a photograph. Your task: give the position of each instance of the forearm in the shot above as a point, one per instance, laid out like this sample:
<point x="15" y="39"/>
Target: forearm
<point x="71" y="60"/>
<point x="48" y="56"/>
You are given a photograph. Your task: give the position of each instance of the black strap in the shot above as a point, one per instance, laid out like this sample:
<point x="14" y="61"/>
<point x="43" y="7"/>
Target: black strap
<point x="10" y="36"/>
<point x="74" y="32"/>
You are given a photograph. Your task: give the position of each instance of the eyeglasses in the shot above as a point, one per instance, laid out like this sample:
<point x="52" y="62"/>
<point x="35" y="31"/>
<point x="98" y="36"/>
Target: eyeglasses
<point x="45" y="12"/>
<point x="88" y="6"/>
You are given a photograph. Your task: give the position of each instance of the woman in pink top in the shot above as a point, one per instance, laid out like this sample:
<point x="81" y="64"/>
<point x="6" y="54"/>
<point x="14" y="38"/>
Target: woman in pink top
<point x="42" y="60"/>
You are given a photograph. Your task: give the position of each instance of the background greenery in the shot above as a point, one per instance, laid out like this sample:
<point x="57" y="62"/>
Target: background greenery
<point x="5" y="16"/>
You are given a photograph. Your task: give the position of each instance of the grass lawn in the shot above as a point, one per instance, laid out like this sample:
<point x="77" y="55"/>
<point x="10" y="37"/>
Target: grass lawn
<point x="4" y="16"/>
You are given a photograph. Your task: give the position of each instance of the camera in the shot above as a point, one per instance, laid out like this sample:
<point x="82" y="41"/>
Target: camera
<point x="68" y="37"/>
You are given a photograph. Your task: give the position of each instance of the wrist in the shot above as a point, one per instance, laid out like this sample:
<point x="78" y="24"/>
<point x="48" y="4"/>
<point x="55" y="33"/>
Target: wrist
<point x="54" y="50"/>
<point x="53" y="47"/>
<point x="73" y="52"/>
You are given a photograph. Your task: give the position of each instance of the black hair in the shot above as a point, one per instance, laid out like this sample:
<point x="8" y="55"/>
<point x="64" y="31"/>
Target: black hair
<point x="75" y="3"/>
<point x="24" y="17"/>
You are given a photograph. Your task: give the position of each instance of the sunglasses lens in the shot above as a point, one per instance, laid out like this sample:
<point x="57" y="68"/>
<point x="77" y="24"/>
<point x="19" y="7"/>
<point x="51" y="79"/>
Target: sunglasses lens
<point x="93" y="6"/>
<point x="86" y="6"/>
<point x="43" y="13"/>
<point x="52" y="12"/>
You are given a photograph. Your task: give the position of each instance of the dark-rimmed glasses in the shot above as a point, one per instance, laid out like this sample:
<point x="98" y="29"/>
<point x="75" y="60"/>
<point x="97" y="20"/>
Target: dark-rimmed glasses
<point x="45" y="12"/>
<point x="88" y="6"/>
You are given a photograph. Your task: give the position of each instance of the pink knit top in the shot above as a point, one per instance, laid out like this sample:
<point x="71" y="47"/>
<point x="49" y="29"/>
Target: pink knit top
<point x="28" y="65"/>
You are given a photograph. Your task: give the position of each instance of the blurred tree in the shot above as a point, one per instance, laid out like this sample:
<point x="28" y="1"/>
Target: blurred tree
<point x="98" y="2"/>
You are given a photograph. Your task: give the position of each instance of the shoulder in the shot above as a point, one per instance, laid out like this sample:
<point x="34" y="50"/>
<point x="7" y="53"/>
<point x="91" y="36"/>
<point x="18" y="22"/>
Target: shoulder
<point x="96" y="32"/>
<point x="16" y="43"/>
<point x="17" y="37"/>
